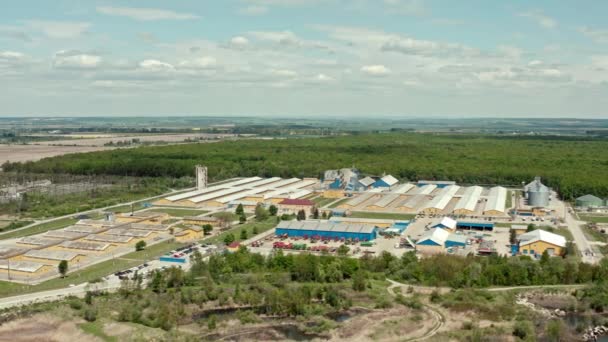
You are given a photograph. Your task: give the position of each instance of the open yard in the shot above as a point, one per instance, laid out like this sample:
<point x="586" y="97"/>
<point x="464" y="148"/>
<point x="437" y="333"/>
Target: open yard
<point x="593" y="218"/>
<point x="39" y="228"/>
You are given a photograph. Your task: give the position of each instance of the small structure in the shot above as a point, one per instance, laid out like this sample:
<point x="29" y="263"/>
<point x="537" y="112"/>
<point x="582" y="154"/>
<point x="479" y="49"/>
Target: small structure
<point x="202" y="220"/>
<point x="233" y="247"/>
<point x="366" y="183"/>
<point x="475" y="225"/>
<point x="293" y="206"/>
<point x="519" y="228"/>
<point x="385" y="182"/>
<point x="447" y="223"/>
<point x="188" y="234"/>
<point x="538" y="241"/>
<point x="433" y="242"/>
<point x="456" y="240"/>
<point x="589" y="201"/>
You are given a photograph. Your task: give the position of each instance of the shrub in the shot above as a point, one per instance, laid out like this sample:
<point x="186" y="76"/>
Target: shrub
<point x="90" y="314"/>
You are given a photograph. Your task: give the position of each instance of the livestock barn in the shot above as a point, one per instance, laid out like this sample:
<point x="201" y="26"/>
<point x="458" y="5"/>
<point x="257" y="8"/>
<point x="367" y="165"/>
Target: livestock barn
<point x="363" y="232"/>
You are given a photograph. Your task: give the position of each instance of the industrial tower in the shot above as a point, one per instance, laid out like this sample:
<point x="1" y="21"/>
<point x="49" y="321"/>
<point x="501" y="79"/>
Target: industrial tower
<point x="201" y="177"/>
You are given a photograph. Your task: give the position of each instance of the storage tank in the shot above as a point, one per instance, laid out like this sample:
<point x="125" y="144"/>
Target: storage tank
<point x="589" y="201"/>
<point x="538" y="193"/>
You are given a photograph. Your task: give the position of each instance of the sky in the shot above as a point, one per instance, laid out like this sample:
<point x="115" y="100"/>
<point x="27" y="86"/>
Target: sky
<point x="304" y="58"/>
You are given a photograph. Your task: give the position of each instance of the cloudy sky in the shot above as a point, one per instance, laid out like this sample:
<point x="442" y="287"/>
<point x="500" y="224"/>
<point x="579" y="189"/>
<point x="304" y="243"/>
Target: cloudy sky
<point x="403" y="58"/>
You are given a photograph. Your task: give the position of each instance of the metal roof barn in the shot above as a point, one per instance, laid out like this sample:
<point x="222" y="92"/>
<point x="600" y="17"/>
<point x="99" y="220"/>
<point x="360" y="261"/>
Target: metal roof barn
<point x="441" y="200"/>
<point x="469" y="201"/>
<point x="434" y="237"/>
<point x="328" y="229"/>
<point x="210" y="189"/>
<point x="403" y="188"/>
<point x="497" y="199"/>
<point x="541" y="235"/>
<point x="385" y="200"/>
<point x="456" y="240"/>
<point x="386" y="182"/>
<point x="425" y="190"/>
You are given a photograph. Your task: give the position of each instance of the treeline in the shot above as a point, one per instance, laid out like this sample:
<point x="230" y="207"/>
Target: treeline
<point x="572" y="166"/>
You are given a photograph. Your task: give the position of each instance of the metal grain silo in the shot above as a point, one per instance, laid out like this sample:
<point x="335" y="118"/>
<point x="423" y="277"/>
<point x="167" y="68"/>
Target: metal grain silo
<point x="537" y="193"/>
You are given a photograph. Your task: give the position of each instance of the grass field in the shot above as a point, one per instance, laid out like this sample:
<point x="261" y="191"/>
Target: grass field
<point x="263" y="226"/>
<point x="342" y="201"/>
<point x="179" y="212"/>
<point x="594" y="235"/>
<point x="387" y="216"/>
<point x="92" y="272"/>
<point x="40" y="228"/>
<point x="593" y="218"/>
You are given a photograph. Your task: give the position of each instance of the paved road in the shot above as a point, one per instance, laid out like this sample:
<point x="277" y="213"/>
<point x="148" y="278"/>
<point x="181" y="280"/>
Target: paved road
<point x="582" y="243"/>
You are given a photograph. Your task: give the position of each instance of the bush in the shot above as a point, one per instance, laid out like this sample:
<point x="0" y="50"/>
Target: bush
<point x="522" y="329"/>
<point x="75" y="304"/>
<point x="90" y="314"/>
<point x="140" y="245"/>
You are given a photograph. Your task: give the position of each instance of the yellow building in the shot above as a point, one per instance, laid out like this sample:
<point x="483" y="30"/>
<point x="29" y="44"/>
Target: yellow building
<point x="149" y="217"/>
<point x="202" y="220"/>
<point x="536" y="242"/>
<point x="519" y="228"/>
<point x="189" y="234"/>
<point x="293" y="206"/>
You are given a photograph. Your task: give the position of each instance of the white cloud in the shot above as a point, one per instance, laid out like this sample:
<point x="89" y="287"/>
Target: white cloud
<point x="540" y="18"/>
<point x="408" y="7"/>
<point x="11" y="55"/>
<point x="375" y="70"/>
<point x="535" y="63"/>
<point x="599" y="36"/>
<point x="155" y="65"/>
<point x="284" y="73"/>
<point x="145" y="14"/>
<point x="253" y="10"/>
<point x="239" y="41"/>
<point x="59" y="29"/>
<point x="278" y="37"/>
<point x="76" y="60"/>
<point x="323" y="78"/>
<point x="411" y="46"/>
<point x="200" y="63"/>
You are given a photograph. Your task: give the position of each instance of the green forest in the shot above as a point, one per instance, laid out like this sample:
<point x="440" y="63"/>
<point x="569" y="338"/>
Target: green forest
<point x="573" y="166"/>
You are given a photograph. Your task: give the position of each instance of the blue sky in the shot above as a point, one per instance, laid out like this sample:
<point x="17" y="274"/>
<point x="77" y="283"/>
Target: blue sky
<point x="401" y="58"/>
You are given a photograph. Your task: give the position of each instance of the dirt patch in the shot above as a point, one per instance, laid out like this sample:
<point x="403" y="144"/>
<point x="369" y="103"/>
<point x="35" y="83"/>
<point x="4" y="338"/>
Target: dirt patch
<point x="23" y="153"/>
<point x="43" y="328"/>
<point x="117" y="329"/>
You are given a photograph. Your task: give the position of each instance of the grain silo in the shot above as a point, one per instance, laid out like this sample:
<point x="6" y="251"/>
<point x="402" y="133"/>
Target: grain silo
<point x="537" y="193"/>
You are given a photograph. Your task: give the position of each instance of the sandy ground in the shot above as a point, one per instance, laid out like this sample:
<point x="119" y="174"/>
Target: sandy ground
<point x="23" y="153"/>
<point x="43" y="328"/>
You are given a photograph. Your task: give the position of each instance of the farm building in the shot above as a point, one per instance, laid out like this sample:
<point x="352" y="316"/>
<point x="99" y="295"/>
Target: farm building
<point x="188" y="234"/>
<point x="496" y="202"/>
<point x="381" y="223"/>
<point x="475" y="225"/>
<point x="433" y="242"/>
<point x="424" y="190"/>
<point x="363" y="232"/>
<point x="383" y="202"/>
<point x="385" y="182"/>
<point x="25" y="268"/>
<point x="343" y="179"/>
<point x="446" y="223"/>
<point x="468" y="202"/>
<point x="438" y="184"/>
<point x="356" y="201"/>
<point x="589" y="201"/>
<point x="142" y="216"/>
<point x="456" y="240"/>
<point x="538" y="241"/>
<point x="54" y="257"/>
<point x="519" y="228"/>
<point x="441" y="200"/>
<point x="247" y="205"/>
<point x="201" y="220"/>
<point x="366" y="183"/>
<point x="537" y="193"/>
<point x="411" y="204"/>
<point x="403" y="188"/>
<point x="293" y="206"/>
